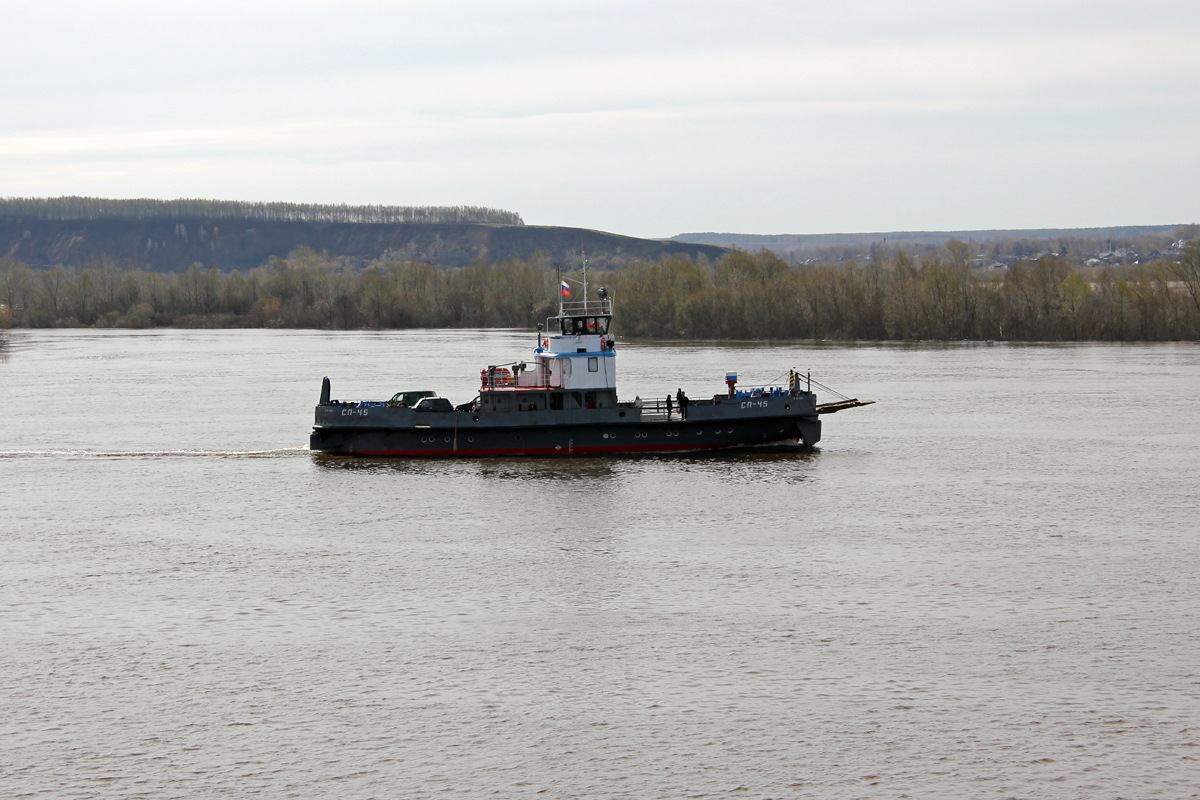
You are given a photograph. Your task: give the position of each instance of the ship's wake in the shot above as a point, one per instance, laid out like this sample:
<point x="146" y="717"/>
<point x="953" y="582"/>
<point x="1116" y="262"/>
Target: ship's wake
<point x="282" y="452"/>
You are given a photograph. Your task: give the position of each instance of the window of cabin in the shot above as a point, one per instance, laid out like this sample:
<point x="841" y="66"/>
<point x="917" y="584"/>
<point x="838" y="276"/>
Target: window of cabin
<point x="591" y="325"/>
<point x="593" y="364"/>
<point x="589" y="400"/>
<point x="574" y="400"/>
<point x="602" y="325"/>
<point x="556" y="401"/>
<point x="580" y="325"/>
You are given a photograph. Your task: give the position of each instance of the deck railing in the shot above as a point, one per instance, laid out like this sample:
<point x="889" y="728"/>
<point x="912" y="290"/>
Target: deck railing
<point x="503" y="378"/>
<point x="579" y="308"/>
<point x="656" y="411"/>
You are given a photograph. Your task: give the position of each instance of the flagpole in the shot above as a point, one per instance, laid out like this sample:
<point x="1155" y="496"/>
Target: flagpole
<point x="558" y="289"/>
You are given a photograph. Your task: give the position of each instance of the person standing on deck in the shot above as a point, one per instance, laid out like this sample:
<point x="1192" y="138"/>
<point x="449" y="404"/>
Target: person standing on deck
<point x="668" y="408"/>
<point x="683" y="404"/>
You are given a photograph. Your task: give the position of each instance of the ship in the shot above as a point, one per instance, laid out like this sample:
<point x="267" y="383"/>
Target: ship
<point x="564" y="403"/>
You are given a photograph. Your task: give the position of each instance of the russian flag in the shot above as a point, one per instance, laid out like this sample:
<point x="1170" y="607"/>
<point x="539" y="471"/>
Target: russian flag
<point x="566" y="290"/>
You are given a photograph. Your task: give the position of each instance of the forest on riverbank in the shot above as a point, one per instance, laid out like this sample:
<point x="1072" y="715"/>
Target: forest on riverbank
<point x="240" y="211"/>
<point x="743" y="295"/>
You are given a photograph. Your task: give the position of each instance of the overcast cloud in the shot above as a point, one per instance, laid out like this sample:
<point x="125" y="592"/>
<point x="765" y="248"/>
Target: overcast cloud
<point x="646" y="118"/>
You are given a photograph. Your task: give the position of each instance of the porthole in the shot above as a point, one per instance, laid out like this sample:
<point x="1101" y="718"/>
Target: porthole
<point x="699" y="432"/>
<point x="518" y="437"/>
<point x="621" y="414"/>
<point x="446" y="439"/>
<point x="786" y="407"/>
<point x="470" y="438"/>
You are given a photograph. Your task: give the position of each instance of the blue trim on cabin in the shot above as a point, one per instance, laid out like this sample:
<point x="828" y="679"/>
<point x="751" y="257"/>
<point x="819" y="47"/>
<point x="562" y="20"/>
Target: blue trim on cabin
<point x="601" y="353"/>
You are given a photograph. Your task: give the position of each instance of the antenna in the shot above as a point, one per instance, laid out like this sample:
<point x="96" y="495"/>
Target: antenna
<point x="585" y="292"/>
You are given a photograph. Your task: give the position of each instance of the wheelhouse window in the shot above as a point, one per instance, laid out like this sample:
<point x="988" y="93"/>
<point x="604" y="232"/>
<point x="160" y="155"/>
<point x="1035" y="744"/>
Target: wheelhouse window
<point x="584" y="326"/>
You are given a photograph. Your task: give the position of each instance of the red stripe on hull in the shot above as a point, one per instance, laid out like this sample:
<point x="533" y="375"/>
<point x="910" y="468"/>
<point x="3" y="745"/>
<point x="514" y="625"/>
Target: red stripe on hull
<point x="551" y="451"/>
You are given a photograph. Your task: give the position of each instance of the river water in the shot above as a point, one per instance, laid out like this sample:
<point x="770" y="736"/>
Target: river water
<point x="987" y="585"/>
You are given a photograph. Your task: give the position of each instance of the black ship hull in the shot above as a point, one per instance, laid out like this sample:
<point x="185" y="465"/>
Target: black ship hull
<point x="347" y="429"/>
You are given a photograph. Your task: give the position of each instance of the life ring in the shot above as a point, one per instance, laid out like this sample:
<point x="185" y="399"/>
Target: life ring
<point x="502" y="375"/>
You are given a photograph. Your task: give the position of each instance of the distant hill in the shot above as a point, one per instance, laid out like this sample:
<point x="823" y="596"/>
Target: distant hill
<point x="177" y="242"/>
<point x="814" y="241"/>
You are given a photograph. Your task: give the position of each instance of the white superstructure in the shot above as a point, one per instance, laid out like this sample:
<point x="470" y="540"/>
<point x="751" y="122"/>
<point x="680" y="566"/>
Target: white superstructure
<point x="575" y="353"/>
<point x="580" y="355"/>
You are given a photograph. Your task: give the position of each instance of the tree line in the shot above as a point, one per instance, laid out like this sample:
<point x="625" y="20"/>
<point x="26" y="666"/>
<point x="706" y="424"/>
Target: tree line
<point x="148" y="209"/>
<point x="743" y="295"/>
<point x="1116" y="247"/>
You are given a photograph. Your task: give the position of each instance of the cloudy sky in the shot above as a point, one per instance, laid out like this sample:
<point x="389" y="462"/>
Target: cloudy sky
<point x="649" y="118"/>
